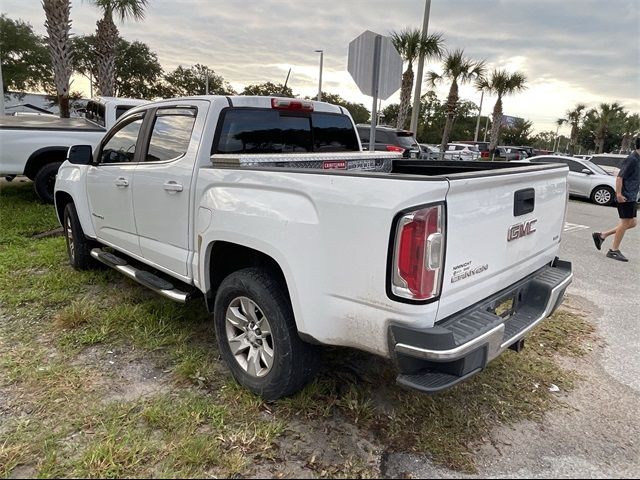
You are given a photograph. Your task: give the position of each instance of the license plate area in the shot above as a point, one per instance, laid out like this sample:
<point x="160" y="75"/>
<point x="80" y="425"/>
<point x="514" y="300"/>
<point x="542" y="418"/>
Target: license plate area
<point x="505" y="307"/>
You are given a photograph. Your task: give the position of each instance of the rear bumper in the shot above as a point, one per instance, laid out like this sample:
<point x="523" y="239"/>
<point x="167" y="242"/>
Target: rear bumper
<point x="456" y="348"/>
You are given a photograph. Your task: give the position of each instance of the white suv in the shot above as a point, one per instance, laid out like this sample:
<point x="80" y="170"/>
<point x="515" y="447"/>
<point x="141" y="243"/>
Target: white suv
<point x="461" y="151"/>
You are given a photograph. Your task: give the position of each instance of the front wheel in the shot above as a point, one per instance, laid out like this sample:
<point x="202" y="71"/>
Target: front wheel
<point x="603" y="196"/>
<point x="45" y="180"/>
<point x="257" y="335"/>
<point x="78" y="246"/>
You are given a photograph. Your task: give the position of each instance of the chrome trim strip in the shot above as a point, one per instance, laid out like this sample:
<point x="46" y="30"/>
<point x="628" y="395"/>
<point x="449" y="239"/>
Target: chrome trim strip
<point x="454" y="353"/>
<point x="494" y="337"/>
<point x="127" y="270"/>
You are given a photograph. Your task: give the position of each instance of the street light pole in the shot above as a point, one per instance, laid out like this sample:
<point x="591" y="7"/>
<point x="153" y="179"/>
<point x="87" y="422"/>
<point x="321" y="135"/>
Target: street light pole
<point x="416" y="97"/>
<point x="486" y="126"/>
<point x="478" y="121"/>
<point x="1" y="92"/>
<point x="321" y="52"/>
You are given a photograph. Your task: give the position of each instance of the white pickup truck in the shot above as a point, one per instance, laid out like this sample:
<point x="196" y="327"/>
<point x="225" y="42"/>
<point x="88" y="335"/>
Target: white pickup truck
<point x="35" y="146"/>
<point x="296" y="238"/>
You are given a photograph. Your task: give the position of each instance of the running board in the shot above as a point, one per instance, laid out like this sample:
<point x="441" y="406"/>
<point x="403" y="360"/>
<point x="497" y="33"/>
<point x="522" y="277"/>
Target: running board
<point x="143" y="277"/>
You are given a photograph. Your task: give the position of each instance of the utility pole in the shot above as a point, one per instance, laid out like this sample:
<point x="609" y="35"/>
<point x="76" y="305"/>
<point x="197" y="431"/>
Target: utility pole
<point x="321" y="52"/>
<point x="486" y="126"/>
<point x="478" y="121"/>
<point x="416" y="97"/>
<point x="206" y="85"/>
<point x="1" y="92"/>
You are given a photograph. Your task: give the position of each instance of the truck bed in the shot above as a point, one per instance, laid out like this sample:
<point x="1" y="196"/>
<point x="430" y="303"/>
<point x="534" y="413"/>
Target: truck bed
<point x="48" y="122"/>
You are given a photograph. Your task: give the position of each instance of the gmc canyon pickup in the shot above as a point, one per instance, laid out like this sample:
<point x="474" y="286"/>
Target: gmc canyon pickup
<point x="296" y="238"/>
<point x="36" y="146"/>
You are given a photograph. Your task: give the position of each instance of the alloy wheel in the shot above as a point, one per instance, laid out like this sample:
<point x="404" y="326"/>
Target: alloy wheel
<point x="249" y="336"/>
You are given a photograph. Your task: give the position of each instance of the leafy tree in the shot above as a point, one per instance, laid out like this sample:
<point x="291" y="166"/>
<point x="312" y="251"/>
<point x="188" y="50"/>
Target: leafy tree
<point x="631" y="130"/>
<point x="519" y="133"/>
<point x="189" y="81"/>
<point x="137" y="70"/>
<point x="359" y="112"/>
<point x="58" y="25"/>
<point x="26" y="63"/>
<point x="543" y="140"/>
<point x="574" y="117"/>
<point x="410" y="44"/>
<point x="268" y="89"/>
<point x="609" y="119"/>
<point x="559" y="123"/>
<point x="107" y="37"/>
<point x="457" y="69"/>
<point x="500" y="83"/>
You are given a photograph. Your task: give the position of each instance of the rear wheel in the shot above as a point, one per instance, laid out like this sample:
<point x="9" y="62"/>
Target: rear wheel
<point x="603" y="195"/>
<point x="257" y="335"/>
<point x="78" y="246"/>
<point x="45" y="180"/>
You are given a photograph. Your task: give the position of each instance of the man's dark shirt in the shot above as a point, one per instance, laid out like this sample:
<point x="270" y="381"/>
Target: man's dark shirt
<point x="630" y="174"/>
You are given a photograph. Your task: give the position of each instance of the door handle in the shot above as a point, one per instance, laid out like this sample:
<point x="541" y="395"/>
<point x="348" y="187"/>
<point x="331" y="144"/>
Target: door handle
<point x="122" y="182"/>
<point x="172" y="186"/>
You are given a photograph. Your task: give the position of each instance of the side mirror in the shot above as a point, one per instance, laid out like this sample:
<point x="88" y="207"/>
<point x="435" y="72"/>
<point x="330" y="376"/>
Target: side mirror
<point x="587" y="171"/>
<point x="80" y="155"/>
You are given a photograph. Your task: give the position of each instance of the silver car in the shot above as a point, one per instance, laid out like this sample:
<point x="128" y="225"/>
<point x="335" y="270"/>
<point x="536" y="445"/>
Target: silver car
<point x="586" y="179"/>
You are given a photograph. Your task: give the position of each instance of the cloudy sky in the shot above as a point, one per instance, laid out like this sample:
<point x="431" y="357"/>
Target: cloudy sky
<point x="570" y="50"/>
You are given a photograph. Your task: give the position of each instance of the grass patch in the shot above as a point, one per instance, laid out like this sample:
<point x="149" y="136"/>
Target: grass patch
<point x="62" y="420"/>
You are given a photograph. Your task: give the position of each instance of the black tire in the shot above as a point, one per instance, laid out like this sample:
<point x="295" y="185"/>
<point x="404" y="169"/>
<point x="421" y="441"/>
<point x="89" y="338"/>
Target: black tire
<point x="293" y="363"/>
<point x="45" y="180"/>
<point x="603" y="195"/>
<point x="78" y="246"/>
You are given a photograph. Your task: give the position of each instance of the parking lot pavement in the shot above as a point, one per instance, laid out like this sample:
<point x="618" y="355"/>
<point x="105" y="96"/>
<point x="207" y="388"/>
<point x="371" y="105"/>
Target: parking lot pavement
<point x="612" y="286"/>
<point x="599" y="434"/>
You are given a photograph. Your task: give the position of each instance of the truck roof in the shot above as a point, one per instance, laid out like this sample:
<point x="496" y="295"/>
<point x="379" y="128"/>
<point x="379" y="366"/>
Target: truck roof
<point x="48" y="122"/>
<point x="258" y="101"/>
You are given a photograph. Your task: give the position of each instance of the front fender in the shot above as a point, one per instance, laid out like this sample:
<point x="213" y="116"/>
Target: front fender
<point x="71" y="180"/>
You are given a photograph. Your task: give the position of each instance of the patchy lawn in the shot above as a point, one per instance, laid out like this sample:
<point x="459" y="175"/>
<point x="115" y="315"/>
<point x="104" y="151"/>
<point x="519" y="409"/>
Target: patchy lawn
<point x="101" y="378"/>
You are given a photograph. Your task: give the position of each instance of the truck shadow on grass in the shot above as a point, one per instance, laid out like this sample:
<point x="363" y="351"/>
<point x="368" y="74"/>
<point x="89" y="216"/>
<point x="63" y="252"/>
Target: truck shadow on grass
<point x="101" y="378"/>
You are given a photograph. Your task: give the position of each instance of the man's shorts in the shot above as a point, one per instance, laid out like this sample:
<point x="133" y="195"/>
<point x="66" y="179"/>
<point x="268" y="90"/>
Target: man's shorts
<point x="628" y="210"/>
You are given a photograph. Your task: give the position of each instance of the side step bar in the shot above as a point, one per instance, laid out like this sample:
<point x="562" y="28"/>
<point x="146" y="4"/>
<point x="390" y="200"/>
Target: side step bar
<point x="148" y="279"/>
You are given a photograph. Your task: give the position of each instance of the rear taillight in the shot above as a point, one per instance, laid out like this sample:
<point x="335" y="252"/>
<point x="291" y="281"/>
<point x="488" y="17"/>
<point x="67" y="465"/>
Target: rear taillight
<point x="292" y="104"/>
<point x="418" y="254"/>
<point x="484" y="154"/>
<point x="395" y="148"/>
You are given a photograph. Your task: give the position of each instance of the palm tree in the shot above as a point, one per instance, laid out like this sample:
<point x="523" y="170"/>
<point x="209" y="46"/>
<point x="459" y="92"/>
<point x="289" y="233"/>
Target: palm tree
<point x="604" y="116"/>
<point x="458" y="69"/>
<point x="501" y="83"/>
<point x="107" y="37"/>
<point x="58" y="26"/>
<point x="574" y="117"/>
<point x="631" y="130"/>
<point x="559" y="123"/>
<point x="410" y="44"/>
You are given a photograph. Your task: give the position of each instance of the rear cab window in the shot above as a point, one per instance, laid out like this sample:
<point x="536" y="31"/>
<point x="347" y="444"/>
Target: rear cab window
<point x="256" y="130"/>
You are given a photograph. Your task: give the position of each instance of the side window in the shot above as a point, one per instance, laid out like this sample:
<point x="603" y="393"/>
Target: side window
<point x="364" y="134"/>
<point x="121" y="146"/>
<point x="574" y="166"/>
<point x="171" y="134"/>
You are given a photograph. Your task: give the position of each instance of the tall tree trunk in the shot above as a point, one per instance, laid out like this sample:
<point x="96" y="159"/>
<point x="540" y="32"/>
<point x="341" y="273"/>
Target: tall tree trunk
<point x="452" y="103"/>
<point x="496" y="125"/>
<point x="106" y="40"/>
<point x="405" y="97"/>
<point x="600" y="144"/>
<point x="574" y="138"/>
<point x="58" y="26"/>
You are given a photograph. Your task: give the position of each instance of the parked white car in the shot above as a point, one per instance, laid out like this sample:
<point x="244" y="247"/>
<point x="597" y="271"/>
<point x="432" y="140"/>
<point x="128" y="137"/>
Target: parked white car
<point x="36" y="145"/>
<point x="586" y="179"/>
<point x="461" y="151"/>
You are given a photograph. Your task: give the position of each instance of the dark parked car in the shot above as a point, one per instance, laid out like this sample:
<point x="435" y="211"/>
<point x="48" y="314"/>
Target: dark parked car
<point x="390" y="139"/>
<point x="508" y="153"/>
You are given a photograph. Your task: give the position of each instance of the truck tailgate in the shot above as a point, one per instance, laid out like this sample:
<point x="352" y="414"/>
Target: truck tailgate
<point x="500" y="228"/>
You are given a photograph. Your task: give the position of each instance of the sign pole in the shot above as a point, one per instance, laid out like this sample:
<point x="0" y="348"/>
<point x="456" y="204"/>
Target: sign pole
<point x="375" y="87"/>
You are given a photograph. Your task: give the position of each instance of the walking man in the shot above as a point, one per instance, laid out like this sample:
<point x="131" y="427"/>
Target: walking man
<point x="627" y="186"/>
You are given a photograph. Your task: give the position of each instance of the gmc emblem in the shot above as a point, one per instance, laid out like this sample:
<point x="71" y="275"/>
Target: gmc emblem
<point x="520" y="230"/>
